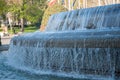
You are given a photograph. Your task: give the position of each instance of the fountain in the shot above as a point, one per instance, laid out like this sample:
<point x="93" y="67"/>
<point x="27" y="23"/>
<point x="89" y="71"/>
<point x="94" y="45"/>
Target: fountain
<point x="85" y="41"/>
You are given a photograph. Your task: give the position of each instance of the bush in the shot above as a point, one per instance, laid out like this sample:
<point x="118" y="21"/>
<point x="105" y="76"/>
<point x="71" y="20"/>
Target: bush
<point x="49" y="11"/>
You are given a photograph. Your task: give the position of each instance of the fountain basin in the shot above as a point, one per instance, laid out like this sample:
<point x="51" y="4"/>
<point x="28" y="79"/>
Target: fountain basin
<point x="86" y="52"/>
<point x="83" y="41"/>
<point x="72" y="39"/>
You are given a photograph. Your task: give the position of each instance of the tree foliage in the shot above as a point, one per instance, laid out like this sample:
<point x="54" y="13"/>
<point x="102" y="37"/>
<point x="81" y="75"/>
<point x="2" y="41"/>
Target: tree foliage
<point x="49" y="11"/>
<point x="33" y="14"/>
<point x="2" y="6"/>
<point x="31" y="10"/>
<point x="28" y="10"/>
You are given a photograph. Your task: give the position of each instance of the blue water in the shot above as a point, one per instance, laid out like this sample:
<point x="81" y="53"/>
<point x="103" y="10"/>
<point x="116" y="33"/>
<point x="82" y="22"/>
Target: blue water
<point x="10" y="73"/>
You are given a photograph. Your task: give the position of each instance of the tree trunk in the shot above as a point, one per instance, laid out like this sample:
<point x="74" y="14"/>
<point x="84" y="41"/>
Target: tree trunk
<point x="117" y="1"/>
<point x="79" y="4"/>
<point x="72" y="5"/>
<point x="65" y="3"/>
<point x="84" y="3"/>
<point x="99" y="2"/>
<point x="105" y="2"/>
<point x="69" y="5"/>
<point x="58" y="1"/>
<point x="22" y="25"/>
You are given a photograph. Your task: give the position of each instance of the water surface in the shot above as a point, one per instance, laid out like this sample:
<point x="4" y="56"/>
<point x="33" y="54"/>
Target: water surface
<point x="9" y="73"/>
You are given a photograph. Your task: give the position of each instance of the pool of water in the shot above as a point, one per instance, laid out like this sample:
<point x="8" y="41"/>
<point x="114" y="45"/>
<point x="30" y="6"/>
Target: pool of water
<point x="10" y="73"/>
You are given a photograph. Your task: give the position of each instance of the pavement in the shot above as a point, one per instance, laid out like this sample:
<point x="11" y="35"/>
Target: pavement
<point x="5" y="40"/>
<point x="5" y="43"/>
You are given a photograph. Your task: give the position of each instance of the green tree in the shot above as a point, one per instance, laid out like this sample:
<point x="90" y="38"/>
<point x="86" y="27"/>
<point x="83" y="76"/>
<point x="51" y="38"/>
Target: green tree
<point x="34" y="10"/>
<point x="2" y="6"/>
<point x="28" y="10"/>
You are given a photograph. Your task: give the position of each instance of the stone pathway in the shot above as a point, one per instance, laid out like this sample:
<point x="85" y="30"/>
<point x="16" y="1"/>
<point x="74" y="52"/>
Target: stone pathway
<point x="5" y="40"/>
<point x="5" y="43"/>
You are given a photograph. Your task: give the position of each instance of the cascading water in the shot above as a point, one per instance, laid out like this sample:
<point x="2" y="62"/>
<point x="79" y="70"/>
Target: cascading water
<point x="67" y="46"/>
<point x="92" y="18"/>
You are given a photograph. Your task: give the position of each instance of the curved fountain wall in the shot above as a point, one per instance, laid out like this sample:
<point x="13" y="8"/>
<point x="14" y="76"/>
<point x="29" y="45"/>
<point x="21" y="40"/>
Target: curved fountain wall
<point x="83" y="41"/>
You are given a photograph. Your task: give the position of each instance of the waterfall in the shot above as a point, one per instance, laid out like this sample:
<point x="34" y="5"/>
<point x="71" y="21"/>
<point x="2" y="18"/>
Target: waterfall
<point x="83" y="41"/>
<point x="92" y="18"/>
